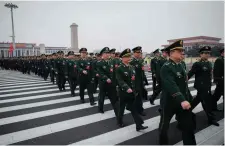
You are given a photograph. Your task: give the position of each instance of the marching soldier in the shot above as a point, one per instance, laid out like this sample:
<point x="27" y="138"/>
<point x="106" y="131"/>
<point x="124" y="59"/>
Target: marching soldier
<point x="161" y="60"/>
<point x="140" y="78"/>
<point x="125" y="75"/>
<point x="86" y="76"/>
<point x="46" y="67"/>
<point x="59" y="71"/>
<point x="72" y="72"/>
<point x="218" y="76"/>
<point x="107" y="85"/>
<point x="52" y="73"/>
<point x="174" y="98"/>
<point x="96" y="60"/>
<point x="155" y="71"/>
<point x="203" y="76"/>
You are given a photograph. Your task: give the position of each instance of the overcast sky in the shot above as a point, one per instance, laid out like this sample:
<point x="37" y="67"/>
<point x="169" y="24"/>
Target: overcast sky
<point x="114" y="24"/>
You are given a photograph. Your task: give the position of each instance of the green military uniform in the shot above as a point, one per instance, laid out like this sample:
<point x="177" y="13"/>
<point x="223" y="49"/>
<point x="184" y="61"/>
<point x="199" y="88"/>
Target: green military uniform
<point x="46" y="68"/>
<point x="125" y="75"/>
<point x="105" y="70"/>
<point x="154" y="69"/>
<point x="52" y="73"/>
<point x="86" y="81"/>
<point x="218" y="75"/>
<point x="95" y="65"/>
<point x="160" y="62"/>
<point x="59" y="68"/>
<point x="72" y="73"/>
<point x="203" y="76"/>
<point x="175" y="91"/>
<point x="140" y="80"/>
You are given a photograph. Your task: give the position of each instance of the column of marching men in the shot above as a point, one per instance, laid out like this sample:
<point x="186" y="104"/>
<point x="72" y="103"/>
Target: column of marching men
<point x="122" y="79"/>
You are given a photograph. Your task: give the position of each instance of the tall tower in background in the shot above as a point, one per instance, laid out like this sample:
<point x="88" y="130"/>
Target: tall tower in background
<point x="74" y="37"/>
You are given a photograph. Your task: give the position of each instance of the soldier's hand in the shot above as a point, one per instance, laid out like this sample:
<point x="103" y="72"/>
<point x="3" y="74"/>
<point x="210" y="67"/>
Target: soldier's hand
<point x="129" y="90"/>
<point x="85" y="72"/>
<point x="108" y="81"/>
<point x="97" y="75"/>
<point x="185" y="105"/>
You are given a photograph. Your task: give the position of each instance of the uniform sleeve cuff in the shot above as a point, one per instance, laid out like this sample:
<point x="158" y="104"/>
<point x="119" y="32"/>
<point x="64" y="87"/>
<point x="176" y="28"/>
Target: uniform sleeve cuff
<point x="179" y="97"/>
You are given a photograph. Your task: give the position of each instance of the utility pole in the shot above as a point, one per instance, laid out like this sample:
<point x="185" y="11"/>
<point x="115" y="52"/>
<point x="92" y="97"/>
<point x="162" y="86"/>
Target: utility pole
<point x="12" y="6"/>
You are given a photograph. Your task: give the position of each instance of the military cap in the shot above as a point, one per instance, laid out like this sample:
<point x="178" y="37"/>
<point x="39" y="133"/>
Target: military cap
<point x="91" y="54"/>
<point x="83" y="50"/>
<point x="137" y="49"/>
<point x="221" y="50"/>
<point x="70" y="53"/>
<point x="117" y="54"/>
<point x="53" y="53"/>
<point x="96" y="54"/>
<point x="60" y="52"/>
<point x="163" y="50"/>
<point x="178" y="45"/>
<point x="104" y="50"/>
<point x="156" y="51"/>
<point x="205" y="49"/>
<point x="112" y="51"/>
<point x="125" y="53"/>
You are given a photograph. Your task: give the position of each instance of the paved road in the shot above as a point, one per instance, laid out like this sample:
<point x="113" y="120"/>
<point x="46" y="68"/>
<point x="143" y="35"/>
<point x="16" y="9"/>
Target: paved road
<point x="34" y="112"/>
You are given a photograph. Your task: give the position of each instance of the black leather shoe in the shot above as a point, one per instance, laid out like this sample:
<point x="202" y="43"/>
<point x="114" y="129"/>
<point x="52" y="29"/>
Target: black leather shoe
<point x="217" y="110"/>
<point x="101" y="111"/>
<point x="138" y="128"/>
<point x="92" y="103"/>
<point x="82" y="101"/>
<point x="120" y="125"/>
<point x="72" y="94"/>
<point x="143" y="114"/>
<point x="151" y="101"/>
<point x="213" y="123"/>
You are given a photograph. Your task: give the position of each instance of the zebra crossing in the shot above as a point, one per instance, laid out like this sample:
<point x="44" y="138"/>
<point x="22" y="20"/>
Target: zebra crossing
<point x="34" y="112"/>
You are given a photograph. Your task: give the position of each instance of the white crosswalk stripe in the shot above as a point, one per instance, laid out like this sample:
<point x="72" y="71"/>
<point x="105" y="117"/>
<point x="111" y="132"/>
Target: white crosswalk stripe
<point x="34" y="112"/>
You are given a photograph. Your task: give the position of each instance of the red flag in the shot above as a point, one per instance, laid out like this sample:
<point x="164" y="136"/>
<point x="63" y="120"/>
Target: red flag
<point x="11" y="48"/>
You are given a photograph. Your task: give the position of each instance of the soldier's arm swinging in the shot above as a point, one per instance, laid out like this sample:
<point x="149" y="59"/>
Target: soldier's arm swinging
<point x="168" y="82"/>
<point x="79" y="68"/>
<point x="122" y="84"/>
<point x="193" y="70"/>
<point x="101" y="73"/>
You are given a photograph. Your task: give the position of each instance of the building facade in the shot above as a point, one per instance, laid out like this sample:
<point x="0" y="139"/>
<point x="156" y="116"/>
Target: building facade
<point x="201" y="41"/>
<point x="28" y="49"/>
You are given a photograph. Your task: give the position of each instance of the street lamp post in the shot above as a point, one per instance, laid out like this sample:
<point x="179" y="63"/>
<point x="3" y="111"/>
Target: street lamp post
<point x="12" y="6"/>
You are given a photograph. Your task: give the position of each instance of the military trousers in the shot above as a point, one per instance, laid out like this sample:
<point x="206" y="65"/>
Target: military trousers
<point x="110" y="90"/>
<point x="60" y="80"/>
<point x="85" y="83"/>
<point x="156" y="91"/>
<point x="128" y="102"/>
<point x="219" y="91"/>
<point x="45" y="73"/>
<point x="153" y="84"/>
<point x="186" y="120"/>
<point x="204" y="96"/>
<point x="96" y="84"/>
<point x="52" y="76"/>
<point x="73" y="84"/>
<point x="139" y="101"/>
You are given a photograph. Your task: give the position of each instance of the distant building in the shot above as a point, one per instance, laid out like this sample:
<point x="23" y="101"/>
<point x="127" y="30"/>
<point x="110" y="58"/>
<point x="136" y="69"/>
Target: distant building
<point x="189" y="42"/>
<point x="28" y="49"/>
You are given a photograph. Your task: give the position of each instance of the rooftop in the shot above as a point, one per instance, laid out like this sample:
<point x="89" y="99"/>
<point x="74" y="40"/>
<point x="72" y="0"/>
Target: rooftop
<point x="197" y="37"/>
